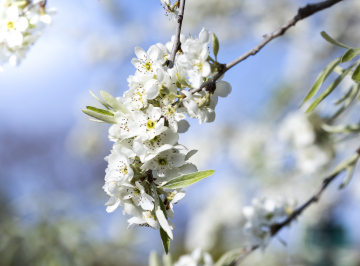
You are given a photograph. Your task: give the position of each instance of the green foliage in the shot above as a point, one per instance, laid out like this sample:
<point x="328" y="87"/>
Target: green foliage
<point x="329" y="90"/>
<point x="333" y="41"/>
<point x="229" y="258"/>
<point x="187" y="180"/>
<point x="356" y="74"/>
<point x="321" y="78"/>
<point x="349" y="55"/>
<point x="100" y="114"/>
<point x="215" y="45"/>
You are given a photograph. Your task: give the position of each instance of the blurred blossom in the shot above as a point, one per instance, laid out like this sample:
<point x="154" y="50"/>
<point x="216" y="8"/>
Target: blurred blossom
<point x="197" y="258"/>
<point x="312" y="146"/>
<point x="262" y="215"/>
<point x="221" y="211"/>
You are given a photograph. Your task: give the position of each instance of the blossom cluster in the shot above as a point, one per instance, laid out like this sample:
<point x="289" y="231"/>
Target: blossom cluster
<point x="21" y="24"/>
<point x="196" y="258"/>
<point x="262" y="215"/>
<point x="147" y="121"/>
<point x="171" y="9"/>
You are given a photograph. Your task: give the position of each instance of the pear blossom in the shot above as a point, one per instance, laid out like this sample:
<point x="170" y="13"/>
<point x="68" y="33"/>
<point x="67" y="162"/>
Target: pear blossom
<point x="197" y="258"/>
<point x="146" y="122"/>
<point x="20" y="27"/>
<point x="147" y="62"/>
<point x="261" y="215"/>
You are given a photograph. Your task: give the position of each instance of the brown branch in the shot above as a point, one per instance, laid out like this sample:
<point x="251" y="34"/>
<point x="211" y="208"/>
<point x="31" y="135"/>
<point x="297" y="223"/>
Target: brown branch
<point x="315" y="198"/>
<point x="303" y="12"/>
<point x="176" y="44"/>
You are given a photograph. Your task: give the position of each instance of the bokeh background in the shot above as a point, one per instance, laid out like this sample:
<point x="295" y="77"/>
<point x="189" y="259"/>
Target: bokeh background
<point x="51" y="156"/>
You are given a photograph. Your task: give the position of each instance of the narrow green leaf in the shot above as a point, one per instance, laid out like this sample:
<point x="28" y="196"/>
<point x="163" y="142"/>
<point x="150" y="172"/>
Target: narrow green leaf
<point x="350" y="172"/>
<point x="342" y="166"/>
<point x="356" y="74"/>
<point x="329" y="90"/>
<point x="352" y="128"/>
<point x="105" y="104"/>
<point x="215" y="45"/>
<point x="100" y="111"/>
<point x="321" y="78"/>
<point x="332" y="41"/>
<point x="229" y="258"/>
<point x="350" y="97"/>
<point x="99" y="116"/>
<point x="349" y="54"/>
<point x="187" y="180"/>
<point x="95" y="120"/>
<point x="346" y="96"/>
<point x="115" y="104"/>
<point x="153" y="259"/>
<point x="160" y="214"/>
<point x="165" y="239"/>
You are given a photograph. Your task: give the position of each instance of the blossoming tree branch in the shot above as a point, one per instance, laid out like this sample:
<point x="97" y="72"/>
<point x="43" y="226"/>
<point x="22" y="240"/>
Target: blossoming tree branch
<point x="22" y="23"/>
<point x="148" y="168"/>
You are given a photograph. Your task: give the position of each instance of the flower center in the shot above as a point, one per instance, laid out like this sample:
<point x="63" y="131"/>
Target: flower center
<point x="10" y="25"/>
<point x="124" y="171"/>
<point x="150" y="124"/>
<point x="155" y="139"/>
<point x="162" y="161"/>
<point x="148" y="66"/>
<point x="170" y="111"/>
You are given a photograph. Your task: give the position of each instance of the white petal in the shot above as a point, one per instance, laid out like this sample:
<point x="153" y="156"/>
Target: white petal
<point x="188" y="169"/>
<point x="152" y="92"/>
<point x="206" y="69"/>
<point x="140" y="53"/>
<point x="154" y="52"/>
<point x="12" y="13"/>
<point x="223" y="88"/>
<point x="204" y="36"/>
<point x="22" y="24"/>
<point x="183" y="126"/>
<point x="178" y="160"/>
<point x="146" y="202"/>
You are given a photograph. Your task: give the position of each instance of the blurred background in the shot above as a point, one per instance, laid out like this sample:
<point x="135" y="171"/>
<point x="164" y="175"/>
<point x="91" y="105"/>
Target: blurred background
<point x="261" y="144"/>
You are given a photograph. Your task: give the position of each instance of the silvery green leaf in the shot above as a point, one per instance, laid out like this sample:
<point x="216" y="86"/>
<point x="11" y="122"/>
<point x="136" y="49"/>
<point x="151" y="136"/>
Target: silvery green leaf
<point x="350" y="97"/>
<point x="215" y="45"/>
<point x="165" y="239"/>
<point x="329" y="90"/>
<point x="356" y="74"/>
<point x="229" y="258"/>
<point x="105" y="104"/>
<point x="100" y="116"/>
<point x="332" y="41"/>
<point x="321" y="78"/>
<point x="353" y="128"/>
<point x="342" y="166"/>
<point x="349" y="54"/>
<point x="100" y="111"/>
<point x="95" y="120"/>
<point x="115" y="104"/>
<point x="167" y="259"/>
<point x="187" y="180"/>
<point x="350" y="172"/>
<point x="161" y="215"/>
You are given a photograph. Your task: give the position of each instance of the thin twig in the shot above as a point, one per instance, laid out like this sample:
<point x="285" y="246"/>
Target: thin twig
<point x="303" y="12"/>
<point x="42" y="4"/>
<point x="315" y="198"/>
<point x="176" y="45"/>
